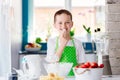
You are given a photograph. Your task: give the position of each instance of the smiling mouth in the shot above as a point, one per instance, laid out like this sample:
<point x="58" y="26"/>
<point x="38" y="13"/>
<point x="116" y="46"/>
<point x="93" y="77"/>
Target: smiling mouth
<point x="63" y="29"/>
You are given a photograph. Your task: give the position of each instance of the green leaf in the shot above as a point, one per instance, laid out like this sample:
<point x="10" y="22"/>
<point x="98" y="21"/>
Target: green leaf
<point x="87" y="29"/>
<point x="84" y="27"/>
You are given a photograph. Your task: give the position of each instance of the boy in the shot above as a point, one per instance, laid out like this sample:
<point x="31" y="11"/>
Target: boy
<point x="64" y="48"/>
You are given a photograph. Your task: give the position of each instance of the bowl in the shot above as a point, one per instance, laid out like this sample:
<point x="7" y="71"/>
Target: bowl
<point x="33" y="49"/>
<point x="61" y="69"/>
<point x="88" y="73"/>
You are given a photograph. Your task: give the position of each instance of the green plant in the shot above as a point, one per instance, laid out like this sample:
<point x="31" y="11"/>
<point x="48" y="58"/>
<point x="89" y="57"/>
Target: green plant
<point x="87" y="29"/>
<point x="38" y="40"/>
<point x="72" y="32"/>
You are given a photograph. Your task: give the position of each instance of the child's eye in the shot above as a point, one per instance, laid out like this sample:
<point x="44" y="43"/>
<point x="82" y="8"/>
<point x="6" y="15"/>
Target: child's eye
<point x="67" y="22"/>
<point x="60" y="23"/>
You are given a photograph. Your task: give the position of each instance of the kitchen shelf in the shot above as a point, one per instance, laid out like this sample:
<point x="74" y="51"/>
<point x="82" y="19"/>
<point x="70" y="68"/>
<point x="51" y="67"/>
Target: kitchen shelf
<point x="33" y="52"/>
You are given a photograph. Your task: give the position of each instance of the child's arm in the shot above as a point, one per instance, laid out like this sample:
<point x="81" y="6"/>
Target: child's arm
<point x="64" y="38"/>
<point x="51" y="56"/>
<point x="82" y="56"/>
<point x="60" y="50"/>
<point x="80" y="51"/>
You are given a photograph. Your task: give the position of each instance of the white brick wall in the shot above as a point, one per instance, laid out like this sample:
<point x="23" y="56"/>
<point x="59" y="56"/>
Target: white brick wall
<point x="113" y="17"/>
<point x="114" y="35"/>
<point x="116" y="70"/>
<point x="115" y="61"/>
<point x="113" y="28"/>
<point x="114" y="52"/>
<point x="113" y="1"/>
<point x="113" y="8"/>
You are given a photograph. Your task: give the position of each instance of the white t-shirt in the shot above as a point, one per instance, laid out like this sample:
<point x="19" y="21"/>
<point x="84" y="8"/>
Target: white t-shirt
<point x="51" y="46"/>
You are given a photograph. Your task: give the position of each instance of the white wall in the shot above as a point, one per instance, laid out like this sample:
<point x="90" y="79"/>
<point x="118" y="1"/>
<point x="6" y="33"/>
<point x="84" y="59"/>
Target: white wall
<point x="5" y="46"/>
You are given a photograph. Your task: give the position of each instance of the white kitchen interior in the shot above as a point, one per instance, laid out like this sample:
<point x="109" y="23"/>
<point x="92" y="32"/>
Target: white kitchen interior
<point x="24" y="20"/>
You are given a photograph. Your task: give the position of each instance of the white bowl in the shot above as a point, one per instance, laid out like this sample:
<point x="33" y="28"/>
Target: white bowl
<point x="88" y="73"/>
<point x="33" y="49"/>
<point x="61" y="69"/>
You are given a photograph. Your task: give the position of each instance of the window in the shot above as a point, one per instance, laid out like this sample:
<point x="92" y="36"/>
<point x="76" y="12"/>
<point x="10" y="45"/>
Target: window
<point x="43" y="13"/>
<point x="88" y="12"/>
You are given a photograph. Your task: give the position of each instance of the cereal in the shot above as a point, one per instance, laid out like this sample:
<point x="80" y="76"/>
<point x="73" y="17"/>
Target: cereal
<point x="51" y="76"/>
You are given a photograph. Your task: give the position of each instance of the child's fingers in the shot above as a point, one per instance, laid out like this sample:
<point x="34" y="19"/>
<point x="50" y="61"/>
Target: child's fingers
<point x="64" y="33"/>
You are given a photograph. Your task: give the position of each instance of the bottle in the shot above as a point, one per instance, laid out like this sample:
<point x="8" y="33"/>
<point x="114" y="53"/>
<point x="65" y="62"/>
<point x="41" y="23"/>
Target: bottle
<point x="100" y="59"/>
<point x="98" y="34"/>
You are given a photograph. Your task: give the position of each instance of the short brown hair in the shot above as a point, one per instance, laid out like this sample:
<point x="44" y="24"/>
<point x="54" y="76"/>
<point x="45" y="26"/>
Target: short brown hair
<point x="61" y="11"/>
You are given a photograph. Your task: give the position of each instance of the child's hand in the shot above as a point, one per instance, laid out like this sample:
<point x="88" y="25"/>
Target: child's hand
<point x="65" y="34"/>
<point x="64" y="37"/>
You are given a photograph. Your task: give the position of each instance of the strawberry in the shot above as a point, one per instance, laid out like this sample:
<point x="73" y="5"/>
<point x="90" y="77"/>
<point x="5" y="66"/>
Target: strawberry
<point x="94" y="65"/>
<point x="83" y="66"/>
<point x="101" y="65"/>
<point x="87" y="64"/>
<point x="77" y="66"/>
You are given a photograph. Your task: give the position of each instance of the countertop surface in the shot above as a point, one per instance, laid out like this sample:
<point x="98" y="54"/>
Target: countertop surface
<point x="45" y="52"/>
<point x="107" y="77"/>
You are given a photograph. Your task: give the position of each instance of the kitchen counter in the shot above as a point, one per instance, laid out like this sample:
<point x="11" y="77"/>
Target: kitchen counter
<point x="44" y="52"/>
<point x="28" y="53"/>
<point x="109" y="77"/>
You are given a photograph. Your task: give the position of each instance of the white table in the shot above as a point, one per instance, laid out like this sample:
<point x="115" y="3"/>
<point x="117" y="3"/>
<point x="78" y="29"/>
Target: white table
<point x="110" y="77"/>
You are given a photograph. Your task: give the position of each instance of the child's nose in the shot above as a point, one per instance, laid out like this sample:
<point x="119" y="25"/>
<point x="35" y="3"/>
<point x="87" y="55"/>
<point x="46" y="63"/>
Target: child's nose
<point x="64" y="26"/>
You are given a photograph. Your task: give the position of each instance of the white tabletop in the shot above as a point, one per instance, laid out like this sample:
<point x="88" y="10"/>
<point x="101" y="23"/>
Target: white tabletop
<point x="108" y="77"/>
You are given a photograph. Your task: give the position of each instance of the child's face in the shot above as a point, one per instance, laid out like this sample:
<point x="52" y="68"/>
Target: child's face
<point x="62" y="22"/>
